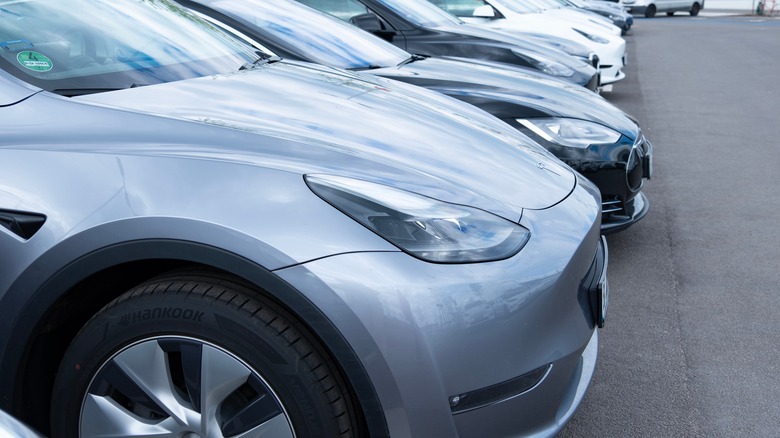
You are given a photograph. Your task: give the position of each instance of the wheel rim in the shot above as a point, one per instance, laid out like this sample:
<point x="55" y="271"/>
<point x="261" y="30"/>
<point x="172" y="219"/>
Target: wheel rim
<point x="182" y="387"/>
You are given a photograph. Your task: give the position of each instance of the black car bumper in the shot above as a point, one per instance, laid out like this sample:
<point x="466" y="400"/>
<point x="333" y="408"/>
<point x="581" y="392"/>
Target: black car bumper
<point x="617" y="216"/>
<point x="619" y="170"/>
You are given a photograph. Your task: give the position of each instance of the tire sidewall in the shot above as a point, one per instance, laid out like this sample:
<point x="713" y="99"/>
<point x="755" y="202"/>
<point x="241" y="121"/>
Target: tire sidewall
<point x="145" y="317"/>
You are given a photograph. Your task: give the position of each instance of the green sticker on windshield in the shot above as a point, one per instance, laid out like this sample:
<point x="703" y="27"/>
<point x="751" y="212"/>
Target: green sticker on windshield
<point x="34" y="61"/>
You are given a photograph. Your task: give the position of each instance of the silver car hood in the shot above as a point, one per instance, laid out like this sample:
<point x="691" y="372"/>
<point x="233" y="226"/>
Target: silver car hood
<point x="313" y="119"/>
<point x="12" y="90"/>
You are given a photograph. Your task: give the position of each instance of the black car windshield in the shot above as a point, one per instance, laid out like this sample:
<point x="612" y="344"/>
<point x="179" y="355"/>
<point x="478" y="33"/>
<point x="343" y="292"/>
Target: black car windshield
<point x="83" y="46"/>
<point x="311" y="34"/>
<point x="421" y="13"/>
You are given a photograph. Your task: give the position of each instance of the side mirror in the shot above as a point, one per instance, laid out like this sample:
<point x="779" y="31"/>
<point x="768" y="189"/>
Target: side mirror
<point x="484" y="11"/>
<point x="368" y="22"/>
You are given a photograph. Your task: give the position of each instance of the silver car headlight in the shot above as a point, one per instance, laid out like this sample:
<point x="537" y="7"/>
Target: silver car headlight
<point x="571" y="132"/>
<point x="547" y="65"/>
<point x="594" y="38"/>
<point x="424" y="227"/>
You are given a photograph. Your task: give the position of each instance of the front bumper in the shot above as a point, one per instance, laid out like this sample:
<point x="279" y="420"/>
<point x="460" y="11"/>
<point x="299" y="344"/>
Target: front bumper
<point x="619" y="179"/>
<point x="403" y="319"/>
<point x="612" y="57"/>
<point x="621" y="209"/>
<point x="636" y="9"/>
<point x="619" y="216"/>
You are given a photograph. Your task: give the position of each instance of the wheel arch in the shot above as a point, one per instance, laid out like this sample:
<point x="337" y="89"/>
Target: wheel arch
<point x="62" y="303"/>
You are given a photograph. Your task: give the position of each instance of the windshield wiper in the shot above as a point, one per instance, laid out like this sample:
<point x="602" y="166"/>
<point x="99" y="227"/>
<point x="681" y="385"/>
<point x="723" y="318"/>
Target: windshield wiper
<point x="263" y="58"/>
<point x="72" y="92"/>
<point x="413" y="58"/>
<point x="367" y="67"/>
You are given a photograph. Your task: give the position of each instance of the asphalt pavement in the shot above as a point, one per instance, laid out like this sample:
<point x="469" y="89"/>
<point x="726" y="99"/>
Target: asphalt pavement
<point x="691" y="347"/>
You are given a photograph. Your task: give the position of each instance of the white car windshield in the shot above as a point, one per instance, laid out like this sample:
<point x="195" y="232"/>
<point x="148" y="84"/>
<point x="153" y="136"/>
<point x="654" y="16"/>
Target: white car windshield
<point x="74" y="47"/>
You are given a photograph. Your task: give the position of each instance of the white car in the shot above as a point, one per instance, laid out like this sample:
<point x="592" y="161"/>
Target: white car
<point x="650" y="7"/>
<point x="562" y="9"/>
<point x="514" y="15"/>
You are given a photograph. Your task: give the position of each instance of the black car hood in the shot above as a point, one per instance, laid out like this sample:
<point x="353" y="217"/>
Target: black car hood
<point x="308" y="119"/>
<point x="501" y="37"/>
<point x="509" y="93"/>
<point x="486" y="37"/>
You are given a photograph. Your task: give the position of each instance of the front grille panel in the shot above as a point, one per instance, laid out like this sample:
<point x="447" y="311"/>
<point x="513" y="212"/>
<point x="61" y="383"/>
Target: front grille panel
<point x="609" y="206"/>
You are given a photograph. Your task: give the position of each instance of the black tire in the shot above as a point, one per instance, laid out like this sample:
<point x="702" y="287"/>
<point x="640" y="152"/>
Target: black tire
<point x="669" y="14"/>
<point x="194" y="321"/>
<point x="650" y="11"/>
<point x="695" y="9"/>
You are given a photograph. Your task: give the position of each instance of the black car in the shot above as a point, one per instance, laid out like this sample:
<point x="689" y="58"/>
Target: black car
<point x="428" y="30"/>
<point x="577" y="125"/>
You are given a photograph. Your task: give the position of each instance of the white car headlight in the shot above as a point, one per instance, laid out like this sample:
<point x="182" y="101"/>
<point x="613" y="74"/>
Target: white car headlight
<point x="594" y="38"/>
<point x="424" y="227"/>
<point x="571" y="132"/>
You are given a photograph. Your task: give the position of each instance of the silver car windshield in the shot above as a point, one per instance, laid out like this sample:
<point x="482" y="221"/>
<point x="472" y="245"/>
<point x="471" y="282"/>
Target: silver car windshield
<point x="77" y="47"/>
<point x="312" y="34"/>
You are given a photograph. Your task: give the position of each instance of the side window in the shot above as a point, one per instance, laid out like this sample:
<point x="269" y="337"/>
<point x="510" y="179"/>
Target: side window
<point x="460" y="8"/>
<point x="343" y="9"/>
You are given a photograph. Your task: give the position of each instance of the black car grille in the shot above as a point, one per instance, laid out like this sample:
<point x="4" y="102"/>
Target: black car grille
<point x="638" y="165"/>
<point x="612" y="206"/>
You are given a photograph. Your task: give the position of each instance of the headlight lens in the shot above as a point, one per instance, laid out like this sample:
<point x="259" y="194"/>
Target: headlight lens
<point x="594" y="38"/>
<point x="547" y="65"/>
<point x="424" y="227"/>
<point x="571" y="132"/>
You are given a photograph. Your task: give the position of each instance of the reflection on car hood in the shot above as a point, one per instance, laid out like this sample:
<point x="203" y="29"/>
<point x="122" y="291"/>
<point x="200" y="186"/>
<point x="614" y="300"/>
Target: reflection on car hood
<point x="509" y="92"/>
<point x="307" y="119"/>
<point x="501" y="37"/>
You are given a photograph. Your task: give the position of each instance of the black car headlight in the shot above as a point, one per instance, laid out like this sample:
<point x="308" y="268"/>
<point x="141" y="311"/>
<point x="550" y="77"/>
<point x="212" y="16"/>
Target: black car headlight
<point x="571" y="132"/>
<point x="424" y="227"/>
<point x="547" y="65"/>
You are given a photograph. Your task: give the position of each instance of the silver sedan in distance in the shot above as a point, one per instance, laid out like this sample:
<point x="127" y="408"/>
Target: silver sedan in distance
<point x="199" y="239"/>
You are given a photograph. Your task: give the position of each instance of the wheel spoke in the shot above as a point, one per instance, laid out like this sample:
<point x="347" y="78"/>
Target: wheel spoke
<point x="104" y="417"/>
<point x="221" y="374"/>
<point x="256" y="406"/>
<point x="275" y="427"/>
<point x="146" y="365"/>
<point x="173" y="386"/>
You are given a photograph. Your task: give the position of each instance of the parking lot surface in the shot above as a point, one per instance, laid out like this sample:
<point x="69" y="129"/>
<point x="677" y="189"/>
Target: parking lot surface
<point x="692" y="342"/>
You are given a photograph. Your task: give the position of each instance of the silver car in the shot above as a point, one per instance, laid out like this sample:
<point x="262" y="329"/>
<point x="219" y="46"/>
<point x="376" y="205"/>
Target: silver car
<point x="197" y="239"/>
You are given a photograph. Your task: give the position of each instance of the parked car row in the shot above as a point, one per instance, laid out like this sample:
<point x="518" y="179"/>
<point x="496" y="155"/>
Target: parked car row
<point x="649" y="8"/>
<point x="306" y="218"/>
